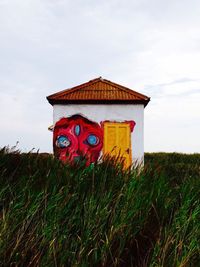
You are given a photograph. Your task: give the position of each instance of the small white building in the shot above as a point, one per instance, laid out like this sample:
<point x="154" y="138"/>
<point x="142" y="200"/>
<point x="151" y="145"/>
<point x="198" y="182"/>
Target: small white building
<point x="98" y="117"/>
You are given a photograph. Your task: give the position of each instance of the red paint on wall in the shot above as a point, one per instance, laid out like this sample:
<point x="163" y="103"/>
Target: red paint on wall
<point x="132" y="125"/>
<point x="76" y="137"/>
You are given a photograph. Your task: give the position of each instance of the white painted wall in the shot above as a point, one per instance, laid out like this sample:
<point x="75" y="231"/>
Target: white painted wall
<point x="113" y="112"/>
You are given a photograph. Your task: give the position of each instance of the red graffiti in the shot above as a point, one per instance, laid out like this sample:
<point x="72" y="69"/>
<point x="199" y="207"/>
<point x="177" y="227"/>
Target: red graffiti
<point x="132" y="125"/>
<point x="75" y="138"/>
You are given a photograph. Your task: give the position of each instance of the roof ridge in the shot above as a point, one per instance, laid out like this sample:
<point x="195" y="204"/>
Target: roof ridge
<point x="74" y="88"/>
<point x="126" y="89"/>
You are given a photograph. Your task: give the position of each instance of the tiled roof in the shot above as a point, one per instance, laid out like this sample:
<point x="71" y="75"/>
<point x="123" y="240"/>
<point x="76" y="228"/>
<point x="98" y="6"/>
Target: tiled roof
<point x="98" y="91"/>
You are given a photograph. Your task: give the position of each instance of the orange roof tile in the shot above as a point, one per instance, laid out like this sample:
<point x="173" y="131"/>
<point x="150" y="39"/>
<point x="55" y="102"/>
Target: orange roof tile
<point x="98" y="91"/>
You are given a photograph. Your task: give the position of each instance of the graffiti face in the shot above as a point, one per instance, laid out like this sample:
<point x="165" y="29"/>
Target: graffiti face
<point x="77" y="137"/>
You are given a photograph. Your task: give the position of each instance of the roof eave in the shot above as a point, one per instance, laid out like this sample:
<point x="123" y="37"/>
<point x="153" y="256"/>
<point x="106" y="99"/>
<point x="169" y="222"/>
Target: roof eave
<point x="102" y="101"/>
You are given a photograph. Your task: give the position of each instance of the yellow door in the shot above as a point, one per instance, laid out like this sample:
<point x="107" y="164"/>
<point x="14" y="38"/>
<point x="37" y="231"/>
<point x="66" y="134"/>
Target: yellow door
<point x="117" y="141"/>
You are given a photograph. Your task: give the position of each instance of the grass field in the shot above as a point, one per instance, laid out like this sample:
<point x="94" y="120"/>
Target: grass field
<point x="55" y="215"/>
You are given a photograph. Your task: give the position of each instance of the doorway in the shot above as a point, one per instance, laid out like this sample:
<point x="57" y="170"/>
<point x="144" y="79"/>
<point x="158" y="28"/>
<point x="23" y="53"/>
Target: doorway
<point x="117" y="141"/>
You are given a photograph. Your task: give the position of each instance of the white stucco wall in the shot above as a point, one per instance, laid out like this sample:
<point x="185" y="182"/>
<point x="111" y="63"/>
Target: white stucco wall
<point x="113" y="112"/>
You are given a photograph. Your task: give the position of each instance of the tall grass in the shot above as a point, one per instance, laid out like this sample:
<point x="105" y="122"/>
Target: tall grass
<point x="56" y="215"/>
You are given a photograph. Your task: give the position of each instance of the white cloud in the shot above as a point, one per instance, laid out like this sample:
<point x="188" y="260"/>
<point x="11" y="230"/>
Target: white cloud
<point x="150" y="46"/>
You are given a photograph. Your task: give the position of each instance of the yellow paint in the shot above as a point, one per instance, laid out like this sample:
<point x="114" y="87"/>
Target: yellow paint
<point x="117" y="141"/>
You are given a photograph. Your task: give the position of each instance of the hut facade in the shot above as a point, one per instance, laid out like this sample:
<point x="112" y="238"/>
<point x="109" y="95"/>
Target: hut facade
<point x="98" y="117"/>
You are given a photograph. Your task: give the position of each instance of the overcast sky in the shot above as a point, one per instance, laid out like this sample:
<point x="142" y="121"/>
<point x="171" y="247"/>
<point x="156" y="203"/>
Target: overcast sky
<point x="151" y="46"/>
